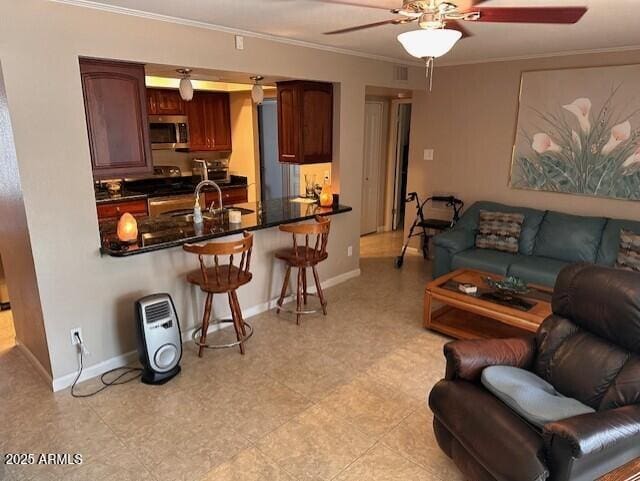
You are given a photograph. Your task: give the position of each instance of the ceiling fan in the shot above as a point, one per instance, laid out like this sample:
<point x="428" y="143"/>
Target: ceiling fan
<point x="441" y="21"/>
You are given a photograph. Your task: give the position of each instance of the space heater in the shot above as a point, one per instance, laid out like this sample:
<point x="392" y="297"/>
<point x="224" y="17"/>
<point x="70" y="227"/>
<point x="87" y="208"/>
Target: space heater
<point x="159" y="340"/>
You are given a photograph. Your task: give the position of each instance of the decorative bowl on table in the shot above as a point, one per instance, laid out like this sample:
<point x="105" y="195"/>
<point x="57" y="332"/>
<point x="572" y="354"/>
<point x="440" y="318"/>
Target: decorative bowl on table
<point x="508" y="285"/>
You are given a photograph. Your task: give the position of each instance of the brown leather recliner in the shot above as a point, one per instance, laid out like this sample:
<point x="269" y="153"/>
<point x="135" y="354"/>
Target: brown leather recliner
<point x="588" y="349"/>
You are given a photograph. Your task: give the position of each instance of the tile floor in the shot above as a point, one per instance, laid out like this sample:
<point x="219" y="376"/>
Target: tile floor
<point x="339" y="398"/>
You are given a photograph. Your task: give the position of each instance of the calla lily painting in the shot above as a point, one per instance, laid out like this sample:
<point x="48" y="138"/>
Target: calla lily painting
<point x="578" y="132"/>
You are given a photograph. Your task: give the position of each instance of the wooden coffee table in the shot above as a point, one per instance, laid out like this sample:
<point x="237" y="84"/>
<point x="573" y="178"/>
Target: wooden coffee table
<point x="464" y="316"/>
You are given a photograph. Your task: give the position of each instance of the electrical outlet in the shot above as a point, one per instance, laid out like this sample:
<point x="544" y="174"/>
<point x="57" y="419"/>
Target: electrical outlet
<point x="239" y="42"/>
<point x="428" y="154"/>
<point x="350" y="251"/>
<point x="74" y="339"/>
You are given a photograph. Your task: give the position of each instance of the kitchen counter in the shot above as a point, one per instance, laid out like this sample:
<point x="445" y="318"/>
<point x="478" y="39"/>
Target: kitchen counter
<point x="164" y="231"/>
<point x="161" y="187"/>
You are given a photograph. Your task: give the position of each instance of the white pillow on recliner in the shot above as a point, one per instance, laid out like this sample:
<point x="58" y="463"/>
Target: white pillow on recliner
<point x="530" y="396"/>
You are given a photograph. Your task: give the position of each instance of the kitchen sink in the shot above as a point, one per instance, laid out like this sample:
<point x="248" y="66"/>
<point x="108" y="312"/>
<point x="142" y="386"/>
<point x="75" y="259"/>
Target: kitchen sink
<point x="186" y="215"/>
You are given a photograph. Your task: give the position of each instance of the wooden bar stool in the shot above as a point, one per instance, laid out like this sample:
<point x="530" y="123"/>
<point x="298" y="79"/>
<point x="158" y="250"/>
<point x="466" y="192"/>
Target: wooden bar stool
<point x="221" y="279"/>
<point x="303" y="257"/>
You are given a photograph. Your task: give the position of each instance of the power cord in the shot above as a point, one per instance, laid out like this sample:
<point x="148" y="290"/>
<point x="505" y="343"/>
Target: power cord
<point x="115" y="382"/>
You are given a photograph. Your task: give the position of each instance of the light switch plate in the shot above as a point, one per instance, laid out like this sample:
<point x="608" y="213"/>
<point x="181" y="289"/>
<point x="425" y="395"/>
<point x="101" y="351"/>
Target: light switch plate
<point x="428" y="154"/>
<point x="239" y="42"/>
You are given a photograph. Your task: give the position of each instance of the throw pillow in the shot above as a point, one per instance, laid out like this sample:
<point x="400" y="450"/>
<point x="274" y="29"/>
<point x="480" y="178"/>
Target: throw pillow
<point x="499" y="231"/>
<point x="629" y="251"/>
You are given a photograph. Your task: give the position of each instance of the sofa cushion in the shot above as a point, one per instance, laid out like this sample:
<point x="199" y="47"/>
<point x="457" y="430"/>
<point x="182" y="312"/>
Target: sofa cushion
<point x="530" y="226"/>
<point x="491" y="433"/>
<point x="536" y="270"/>
<point x="530" y="396"/>
<point x="629" y="251"/>
<point x="608" y="251"/>
<point x="570" y="238"/>
<point x="499" y="231"/>
<point x="486" y="260"/>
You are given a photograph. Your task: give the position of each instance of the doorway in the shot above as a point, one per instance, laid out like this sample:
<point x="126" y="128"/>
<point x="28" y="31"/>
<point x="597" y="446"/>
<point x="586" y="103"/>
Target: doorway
<point x="402" y="111"/>
<point x="277" y="179"/>
<point x="7" y="330"/>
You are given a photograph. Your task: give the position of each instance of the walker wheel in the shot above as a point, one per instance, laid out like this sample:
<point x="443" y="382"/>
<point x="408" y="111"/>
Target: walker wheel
<point x="398" y="262"/>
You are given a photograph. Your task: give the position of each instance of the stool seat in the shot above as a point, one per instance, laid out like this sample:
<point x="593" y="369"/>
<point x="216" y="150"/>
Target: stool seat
<point x="227" y="279"/>
<point x="301" y="256"/>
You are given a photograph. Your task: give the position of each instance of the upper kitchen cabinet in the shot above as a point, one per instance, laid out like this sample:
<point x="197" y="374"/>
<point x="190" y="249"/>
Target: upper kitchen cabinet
<point x="209" y="121"/>
<point x="116" y="109"/>
<point x="305" y="122"/>
<point x="164" y="102"/>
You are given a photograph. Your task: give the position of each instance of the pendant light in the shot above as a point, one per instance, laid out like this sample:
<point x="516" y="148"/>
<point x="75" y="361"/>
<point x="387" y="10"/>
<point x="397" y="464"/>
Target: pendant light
<point x="257" y="92"/>
<point x="428" y="44"/>
<point x="185" y="88"/>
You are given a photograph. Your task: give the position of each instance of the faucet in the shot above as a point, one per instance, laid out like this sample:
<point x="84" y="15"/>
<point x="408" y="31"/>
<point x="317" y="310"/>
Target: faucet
<point x="211" y="183"/>
<point x="204" y="170"/>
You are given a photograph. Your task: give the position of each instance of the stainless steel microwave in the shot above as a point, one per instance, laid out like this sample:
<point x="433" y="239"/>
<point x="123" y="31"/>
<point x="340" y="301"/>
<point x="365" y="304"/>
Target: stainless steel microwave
<point x="169" y="132"/>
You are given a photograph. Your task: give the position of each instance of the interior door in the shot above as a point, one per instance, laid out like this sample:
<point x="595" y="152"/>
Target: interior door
<point x="371" y="167"/>
<point x="402" y="164"/>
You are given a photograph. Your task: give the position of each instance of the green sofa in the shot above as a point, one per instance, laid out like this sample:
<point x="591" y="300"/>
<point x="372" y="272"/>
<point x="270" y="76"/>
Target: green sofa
<point x="549" y="241"/>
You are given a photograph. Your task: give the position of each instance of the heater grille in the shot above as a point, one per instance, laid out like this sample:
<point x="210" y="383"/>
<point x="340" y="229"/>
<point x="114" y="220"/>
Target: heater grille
<point x="157" y="312"/>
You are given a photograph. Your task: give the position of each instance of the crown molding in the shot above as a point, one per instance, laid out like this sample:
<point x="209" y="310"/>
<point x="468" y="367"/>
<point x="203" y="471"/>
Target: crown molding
<point x="234" y="31"/>
<point x="565" y="53"/>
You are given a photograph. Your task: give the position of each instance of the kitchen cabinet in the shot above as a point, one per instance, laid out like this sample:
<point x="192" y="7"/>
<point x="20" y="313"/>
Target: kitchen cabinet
<point x="116" y="111"/>
<point x="230" y="196"/>
<point x="305" y="122"/>
<point x="209" y="121"/>
<point x="113" y="210"/>
<point x="164" y="102"/>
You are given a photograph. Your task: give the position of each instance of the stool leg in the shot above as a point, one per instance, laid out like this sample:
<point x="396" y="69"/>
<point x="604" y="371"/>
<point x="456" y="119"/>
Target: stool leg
<point x="283" y="293"/>
<point x="237" y="303"/>
<point x="236" y="324"/>
<point x="299" y="296"/>
<point x="205" y="323"/>
<point x="304" y="284"/>
<point x="323" y="302"/>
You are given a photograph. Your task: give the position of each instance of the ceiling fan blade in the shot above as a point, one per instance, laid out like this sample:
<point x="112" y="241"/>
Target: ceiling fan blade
<point x="455" y="25"/>
<point x="381" y="4"/>
<point x="530" y="14"/>
<point x="395" y="21"/>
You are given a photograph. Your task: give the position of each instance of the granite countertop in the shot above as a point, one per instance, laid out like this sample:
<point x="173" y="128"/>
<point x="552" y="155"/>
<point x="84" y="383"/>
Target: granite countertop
<point x="161" y="187"/>
<point x="163" y="232"/>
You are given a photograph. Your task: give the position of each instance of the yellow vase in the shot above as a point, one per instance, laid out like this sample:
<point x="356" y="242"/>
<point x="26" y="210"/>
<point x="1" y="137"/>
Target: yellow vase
<point x="326" y="196"/>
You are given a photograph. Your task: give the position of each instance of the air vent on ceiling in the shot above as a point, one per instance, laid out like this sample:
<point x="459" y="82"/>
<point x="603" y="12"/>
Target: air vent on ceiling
<point x="157" y="312"/>
<point x="400" y="73"/>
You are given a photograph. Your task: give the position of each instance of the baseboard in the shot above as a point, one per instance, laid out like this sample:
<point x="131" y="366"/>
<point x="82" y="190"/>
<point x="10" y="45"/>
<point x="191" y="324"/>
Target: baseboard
<point x="34" y="361"/>
<point x="96" y="370"/>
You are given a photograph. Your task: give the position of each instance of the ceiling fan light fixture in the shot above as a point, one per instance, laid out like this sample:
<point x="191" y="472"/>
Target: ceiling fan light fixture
<point x="429" y="43"/>
<point x="186" y="87"/>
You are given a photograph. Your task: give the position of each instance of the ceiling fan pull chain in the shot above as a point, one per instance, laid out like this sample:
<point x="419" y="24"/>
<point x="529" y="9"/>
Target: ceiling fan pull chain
<point x="429" y="72"/>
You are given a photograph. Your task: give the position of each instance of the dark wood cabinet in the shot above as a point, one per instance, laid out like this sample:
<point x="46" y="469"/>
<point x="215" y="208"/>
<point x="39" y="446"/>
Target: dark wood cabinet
<point x="164" y="102"/>
<point x="116" y="110"/>
<point x="113" y="210"/>
<point x="305" y="122"/>
<point x="209" y="121"/>
<point x="230" y="196"/>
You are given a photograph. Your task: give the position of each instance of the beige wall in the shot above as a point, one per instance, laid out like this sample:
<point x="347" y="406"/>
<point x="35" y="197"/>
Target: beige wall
<point x="469" y="119"/>
<point x="244" y="158"/>
<point x="40" y="42"/>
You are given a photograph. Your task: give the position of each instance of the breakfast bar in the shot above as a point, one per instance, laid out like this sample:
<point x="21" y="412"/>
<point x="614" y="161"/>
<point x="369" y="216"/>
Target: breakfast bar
<point x="176" y="228"/>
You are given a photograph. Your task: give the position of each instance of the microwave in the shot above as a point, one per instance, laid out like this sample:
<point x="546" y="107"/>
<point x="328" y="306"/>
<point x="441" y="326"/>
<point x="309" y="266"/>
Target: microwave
<point x="169" y="132"/>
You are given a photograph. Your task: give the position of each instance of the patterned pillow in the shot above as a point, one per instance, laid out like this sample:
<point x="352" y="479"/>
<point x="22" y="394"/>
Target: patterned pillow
<point x="629" y="251"/>
<point x="499" y="231"/>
